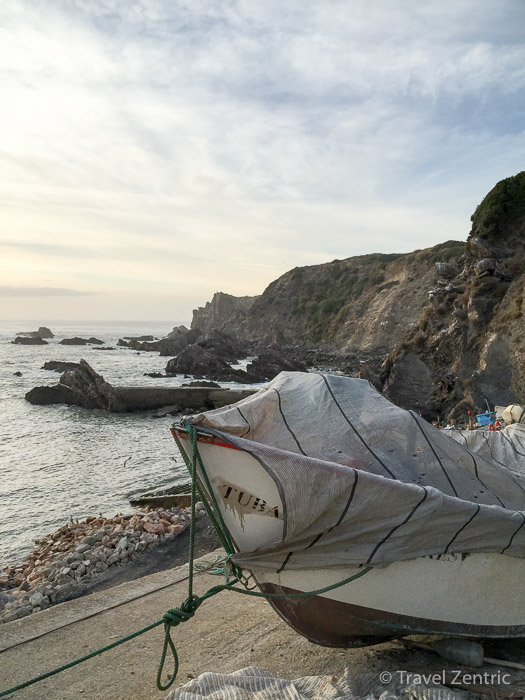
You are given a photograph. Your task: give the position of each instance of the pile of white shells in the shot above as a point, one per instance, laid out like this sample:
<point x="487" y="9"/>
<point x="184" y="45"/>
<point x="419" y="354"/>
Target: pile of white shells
<point x="79" y="551"/>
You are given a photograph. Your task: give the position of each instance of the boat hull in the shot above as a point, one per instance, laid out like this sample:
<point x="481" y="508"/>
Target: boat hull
<point x="472" y="595"/>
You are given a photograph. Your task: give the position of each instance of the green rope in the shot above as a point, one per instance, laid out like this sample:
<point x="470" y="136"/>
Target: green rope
<point x="175" y="616"/>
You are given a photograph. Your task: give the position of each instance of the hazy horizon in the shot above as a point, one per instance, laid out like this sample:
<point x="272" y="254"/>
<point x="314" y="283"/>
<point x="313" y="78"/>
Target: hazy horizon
<point x="155" y="153"/>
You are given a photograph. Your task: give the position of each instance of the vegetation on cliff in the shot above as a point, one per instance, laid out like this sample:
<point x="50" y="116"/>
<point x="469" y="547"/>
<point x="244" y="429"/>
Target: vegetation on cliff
<point x="502" y="209"/>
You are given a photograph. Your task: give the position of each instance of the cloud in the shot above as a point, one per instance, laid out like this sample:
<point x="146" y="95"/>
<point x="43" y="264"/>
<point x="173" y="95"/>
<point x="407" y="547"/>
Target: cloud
<point x="204" y="145"/>
<point x="6" y="291"/>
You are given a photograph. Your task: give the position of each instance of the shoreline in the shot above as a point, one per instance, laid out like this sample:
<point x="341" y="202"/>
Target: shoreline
<point x="83" y="557"/>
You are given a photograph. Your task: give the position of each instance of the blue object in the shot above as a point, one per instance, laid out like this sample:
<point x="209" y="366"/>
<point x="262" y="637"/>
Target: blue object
<point x="486" y="418"/>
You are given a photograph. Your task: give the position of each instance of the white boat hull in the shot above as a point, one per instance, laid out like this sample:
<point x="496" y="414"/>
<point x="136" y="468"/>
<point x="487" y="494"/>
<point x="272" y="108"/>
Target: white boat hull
<point x="475" y="595"/>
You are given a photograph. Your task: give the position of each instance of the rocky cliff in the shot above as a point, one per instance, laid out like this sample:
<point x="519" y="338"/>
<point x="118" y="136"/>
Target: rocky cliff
<point x="447" y="320"/>
<point x="467" y="345"/>
<point x="222" y="312"/>
<point x="364" y="304"/>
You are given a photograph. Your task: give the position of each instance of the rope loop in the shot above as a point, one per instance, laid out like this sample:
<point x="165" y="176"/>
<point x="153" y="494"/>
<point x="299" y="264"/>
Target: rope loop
<point x="172" y="618"/>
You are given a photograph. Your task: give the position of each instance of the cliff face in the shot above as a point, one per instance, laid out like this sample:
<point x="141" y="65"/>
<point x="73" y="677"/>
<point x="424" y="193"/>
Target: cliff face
<point x="223" y="313"/>
<point x="361" y="304"/>
<point x="467" y="346"/>
<point x="448" y="319"/>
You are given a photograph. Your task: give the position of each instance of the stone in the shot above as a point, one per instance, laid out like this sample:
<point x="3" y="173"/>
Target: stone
<point x="113" y="559"/>
<point x="36" y="599"/>
<point x="84" y="547"/>
<point x="176" y="529"/>
<point x="154" y="528"/>
<point x="5" y="599"/>
<point x="122" y="543"/>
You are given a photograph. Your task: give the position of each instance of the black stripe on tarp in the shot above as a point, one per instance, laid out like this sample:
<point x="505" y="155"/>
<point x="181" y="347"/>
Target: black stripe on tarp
<point x="398" y="526"/>
<point x="345" y="510"/>
<point x="507" y="438"/>
<point x="503" y="465"/>
<point x="246" y="421"/>
<point x="478" y="508"/>
<point x="284" y="562"/>
<point x="286" y="424"/>
<point x="476" y="471"/>
<point x="435" y="454"/>
<point x="515" y="533"/>
<point x="355" y="430"/>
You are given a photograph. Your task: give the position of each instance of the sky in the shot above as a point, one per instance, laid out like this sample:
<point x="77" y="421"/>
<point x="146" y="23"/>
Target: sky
<point x="154" y="152"/>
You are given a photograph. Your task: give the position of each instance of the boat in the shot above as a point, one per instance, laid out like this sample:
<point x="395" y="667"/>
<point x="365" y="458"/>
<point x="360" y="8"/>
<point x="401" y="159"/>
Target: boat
<point x="319" y="479"/>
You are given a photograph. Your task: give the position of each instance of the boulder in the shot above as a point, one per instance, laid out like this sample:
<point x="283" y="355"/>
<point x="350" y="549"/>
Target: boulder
<point x="197" y="361"/>
<point x="80" y="387"/>
<point x="222" y="345"/>
<point x="42" y="332"/>
<point x="81" y="341"/>
<point x="271" y="362"/>
<point x="29" y="340"/>
<point x="173" y="343"/>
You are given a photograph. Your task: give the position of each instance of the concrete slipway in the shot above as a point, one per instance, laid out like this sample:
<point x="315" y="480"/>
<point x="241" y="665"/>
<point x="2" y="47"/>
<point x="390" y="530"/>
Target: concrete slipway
<point x="227" y="633"/>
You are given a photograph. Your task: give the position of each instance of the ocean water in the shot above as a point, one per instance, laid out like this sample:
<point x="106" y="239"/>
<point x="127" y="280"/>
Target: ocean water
<point x="61" y="461"/>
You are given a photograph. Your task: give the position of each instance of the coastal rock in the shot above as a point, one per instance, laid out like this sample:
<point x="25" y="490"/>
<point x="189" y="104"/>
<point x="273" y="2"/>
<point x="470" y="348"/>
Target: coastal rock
<point x="42" y="332"/>
<point x="23" y="340"/>
<point x="204" y="383"/>
<point x="195" y="360"/>
<point x="271" y="362"/>
<point x="139" y="338"/>
<point x="173" y="343"/>
<point x="59" y="366"/>
<point x="223" y="312"/>
<point x="81" y="341"/>
<point x="222" y="345"/>
<point x="80" y="387"/>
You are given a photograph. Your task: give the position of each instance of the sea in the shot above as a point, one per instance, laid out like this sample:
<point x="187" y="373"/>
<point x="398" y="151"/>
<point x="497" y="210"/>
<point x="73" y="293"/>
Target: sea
<point x="59" y="462"/>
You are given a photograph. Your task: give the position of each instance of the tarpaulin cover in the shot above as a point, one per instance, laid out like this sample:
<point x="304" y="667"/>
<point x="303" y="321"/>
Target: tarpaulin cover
<point x="366" y="482"/>
<point x="252" y="683"/>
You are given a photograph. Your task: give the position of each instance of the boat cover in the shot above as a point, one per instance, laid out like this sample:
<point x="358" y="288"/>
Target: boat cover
<point x="253" y="683"/>
<point x="364" y="482"/>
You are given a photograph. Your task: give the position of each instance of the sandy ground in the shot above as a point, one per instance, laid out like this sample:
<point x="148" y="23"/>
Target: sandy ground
<point x="228" y="632"/>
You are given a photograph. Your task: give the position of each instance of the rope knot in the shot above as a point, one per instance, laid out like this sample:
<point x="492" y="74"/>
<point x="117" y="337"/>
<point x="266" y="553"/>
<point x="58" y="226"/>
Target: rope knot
<point x="174" y="616"/>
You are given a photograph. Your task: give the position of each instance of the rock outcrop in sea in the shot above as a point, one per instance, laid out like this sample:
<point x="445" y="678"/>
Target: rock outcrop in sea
<point x="42" y="332"/>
